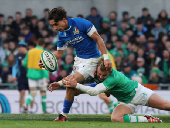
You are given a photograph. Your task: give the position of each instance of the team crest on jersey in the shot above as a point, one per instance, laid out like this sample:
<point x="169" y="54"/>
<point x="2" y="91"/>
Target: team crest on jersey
<point x="75" y="30"/>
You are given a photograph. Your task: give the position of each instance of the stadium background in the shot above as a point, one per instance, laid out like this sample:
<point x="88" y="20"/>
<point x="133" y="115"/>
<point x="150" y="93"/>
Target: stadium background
<point x="104" y="7"/>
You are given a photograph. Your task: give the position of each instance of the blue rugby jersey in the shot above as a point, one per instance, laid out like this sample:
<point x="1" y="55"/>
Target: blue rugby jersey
<point x="18" y="69"/>
<point x="78" y="36"/>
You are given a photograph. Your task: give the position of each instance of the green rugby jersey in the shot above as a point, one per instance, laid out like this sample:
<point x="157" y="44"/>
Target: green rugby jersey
<point x="119" y="86"/>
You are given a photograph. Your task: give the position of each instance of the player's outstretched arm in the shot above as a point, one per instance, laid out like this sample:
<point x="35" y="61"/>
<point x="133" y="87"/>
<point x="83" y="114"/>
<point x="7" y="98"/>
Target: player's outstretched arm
<point x="93" y="91"/>
<point x="95" y="36"/>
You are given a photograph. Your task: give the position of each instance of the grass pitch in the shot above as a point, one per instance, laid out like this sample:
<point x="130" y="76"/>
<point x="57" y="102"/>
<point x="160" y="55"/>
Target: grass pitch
<point x="74" y="121"/>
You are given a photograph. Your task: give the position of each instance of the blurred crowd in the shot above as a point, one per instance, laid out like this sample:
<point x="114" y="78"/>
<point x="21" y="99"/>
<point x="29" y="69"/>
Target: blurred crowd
<point x="140" y="45"/>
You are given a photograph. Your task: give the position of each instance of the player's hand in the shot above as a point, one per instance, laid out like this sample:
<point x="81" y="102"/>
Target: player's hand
<point x="107" y="63"/>
<point x="70" y="81"/>
<point x="53" y="86"/>
<point x="41" y="65"/>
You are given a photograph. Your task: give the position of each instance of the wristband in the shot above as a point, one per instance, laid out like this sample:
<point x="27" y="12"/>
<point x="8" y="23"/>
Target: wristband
<point x="105" y="56"/>
<point x="60" y="83"/>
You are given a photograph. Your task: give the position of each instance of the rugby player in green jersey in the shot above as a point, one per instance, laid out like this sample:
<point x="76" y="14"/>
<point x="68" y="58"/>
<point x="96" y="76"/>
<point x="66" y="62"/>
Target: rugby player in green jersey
<point x="129" y="94"/>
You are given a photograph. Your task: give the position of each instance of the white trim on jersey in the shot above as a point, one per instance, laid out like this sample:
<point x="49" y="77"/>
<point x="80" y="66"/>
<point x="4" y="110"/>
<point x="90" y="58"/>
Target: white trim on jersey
<point x="62" y="48"/>
<point x="93" y="29"/>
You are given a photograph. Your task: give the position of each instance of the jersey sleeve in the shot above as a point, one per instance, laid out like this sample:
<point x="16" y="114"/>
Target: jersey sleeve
<point x="108" y="82"/>
<point x="61" y="45"/>
<point x="86" y="26"/>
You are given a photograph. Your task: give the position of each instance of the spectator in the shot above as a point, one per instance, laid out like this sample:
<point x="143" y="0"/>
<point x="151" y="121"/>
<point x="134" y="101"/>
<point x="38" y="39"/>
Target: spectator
<point x="12" y="48"/>
<point x="10" y="20"/>
<point x="167" y="45"/>
<point x="140" y="30"/>
<point x="149" y="25"/>
<point x="145" y="16"/>
<point x="15" y="23"/>
<point x="2" y="54"/>
<point x="113" y="31"/>
<point x="22" y="25"/>
<point x="2" y="22"/>
<point x="33" y="26"/>
<point x="119" y="62"/>
<point x="164" y="65"/>
<point x="125" y="15"/>
<point x="113" y="19"/>
<point x="131" y="59"/>
<point x="163" y="17"/>
<point x="11" y="61"/>
<point x="142" y="41"/>
<point x="141" y="64"/>
<point x="28" y="15"/>
<point x="128" y="72"/>
<point x="68" y="63"/>
<point x="41" y="26"/>
<point x="141" y="52"/>
<point x="158" y="28"/>
<point x="141" y="72"/>
<point x="5" y="72"/>
<point x="29" y="36"/>
<point x="132" y="23"/>
<point x="95" y="18"/>
<point x="125" y="40"/>
<point x="153" y="59"/>
<point x="45" y="18"/>
<point x="155" y="79"/>
<point x="105" y="27"/>
<point x="3" y="37"/>
<point x="123" y="30"/>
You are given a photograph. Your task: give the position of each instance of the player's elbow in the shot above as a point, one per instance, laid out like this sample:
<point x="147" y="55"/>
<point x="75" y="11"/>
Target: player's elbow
<point x="93" y="92"/>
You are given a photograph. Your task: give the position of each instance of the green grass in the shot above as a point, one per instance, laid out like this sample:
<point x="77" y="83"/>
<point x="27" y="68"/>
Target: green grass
<point x="75" y="121"/>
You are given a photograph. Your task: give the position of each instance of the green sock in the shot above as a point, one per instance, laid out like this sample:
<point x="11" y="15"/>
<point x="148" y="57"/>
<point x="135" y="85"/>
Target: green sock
<point x="111" y="106"/>
<point x="132" y="118"/>
<point x="43" y="103"/>
<point x="29" y="99"/>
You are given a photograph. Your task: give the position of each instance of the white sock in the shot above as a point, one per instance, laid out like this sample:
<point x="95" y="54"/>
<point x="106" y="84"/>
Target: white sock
<point x="64" y="114"/>
<point x="142" y="119"/>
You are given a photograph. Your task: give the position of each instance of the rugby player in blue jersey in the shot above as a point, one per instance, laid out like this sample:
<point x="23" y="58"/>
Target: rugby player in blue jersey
<point x="82" y="35"/>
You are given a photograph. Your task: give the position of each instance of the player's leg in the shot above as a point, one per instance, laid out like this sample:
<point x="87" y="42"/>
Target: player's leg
<point x="68" y="101"/>
<point x="33" y="90"/>
<point x="156" y="101"/>
<point x="43" y="89"/>
<point x="82" y="69"/>
<point x="22" y="100"/>
<point x="108" y="101"/>
<point x="123" y="113"/>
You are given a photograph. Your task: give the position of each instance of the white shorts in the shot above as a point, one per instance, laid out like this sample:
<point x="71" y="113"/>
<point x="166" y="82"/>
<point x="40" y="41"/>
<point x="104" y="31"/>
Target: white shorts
<point x="141" y="98"/>
<point x="86" y="67"/>
<point x="42" y="84"/>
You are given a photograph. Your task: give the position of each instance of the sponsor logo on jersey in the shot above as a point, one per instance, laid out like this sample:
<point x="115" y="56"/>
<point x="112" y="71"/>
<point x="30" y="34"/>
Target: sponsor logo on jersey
<point x="75" y="30"/>
<point x="75" y="40"/>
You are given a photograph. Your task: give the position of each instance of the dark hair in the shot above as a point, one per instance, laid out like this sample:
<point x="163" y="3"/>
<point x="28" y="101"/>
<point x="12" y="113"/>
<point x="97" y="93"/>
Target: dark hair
<point x="18" y="13"/>
<point x="93" y="8"/>
<point x="113" y="12"/>
<point x="57" y="14"/>
<point x="26" y="28"/>
<point x="40" y="42"/>
<point x="1" y="15"/>
<point x="33" y="17"/>
<point x="46" y="10"/>
<point x="157" y="21"/>
<point x="139" y="22"/>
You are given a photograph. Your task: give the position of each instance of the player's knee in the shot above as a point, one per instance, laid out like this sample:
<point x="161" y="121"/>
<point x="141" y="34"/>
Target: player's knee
<point x="115" y="119"/>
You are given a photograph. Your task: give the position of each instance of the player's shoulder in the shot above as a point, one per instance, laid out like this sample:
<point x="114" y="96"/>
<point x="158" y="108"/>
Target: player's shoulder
<point x="80" y="21"/>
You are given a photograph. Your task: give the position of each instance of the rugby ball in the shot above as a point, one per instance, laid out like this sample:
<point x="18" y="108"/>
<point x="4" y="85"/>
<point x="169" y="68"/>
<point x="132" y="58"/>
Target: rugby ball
<point x="49" y="60"/>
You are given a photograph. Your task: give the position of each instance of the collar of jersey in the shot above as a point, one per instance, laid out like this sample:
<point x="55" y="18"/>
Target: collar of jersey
<point x="69" y="24"/>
